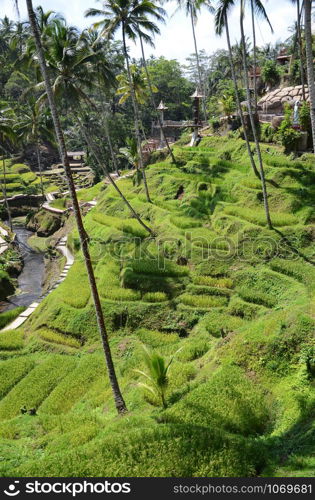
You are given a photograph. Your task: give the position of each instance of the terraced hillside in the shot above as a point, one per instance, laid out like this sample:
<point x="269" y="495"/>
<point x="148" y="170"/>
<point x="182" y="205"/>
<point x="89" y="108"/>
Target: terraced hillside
<point x="230" y="299"/>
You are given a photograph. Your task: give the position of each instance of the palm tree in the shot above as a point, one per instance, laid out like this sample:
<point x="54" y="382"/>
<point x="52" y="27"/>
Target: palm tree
<point x="139" y="82"/>
<point x="300" y="48"/>
<point x="257" y="8"/>
<point x="7" y="134"/>
<point x="157" y="375"/>
<point x="251" y="117"/>
<point x="192" y="8"/>
<point x="118" y="398"/>
<point x="36" y="126"/>
<point x="130" y="17"/>
<point x="221" y="22"/>
<point x="310" y="62"/>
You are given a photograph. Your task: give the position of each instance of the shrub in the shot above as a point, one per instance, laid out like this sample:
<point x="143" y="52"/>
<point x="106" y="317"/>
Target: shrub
<point x="202" y="301"/>
<point x="57" y="338"/>
<point x="155" y="297"/>
<point x="11" y="340"/>
<point x="35" y="387"/>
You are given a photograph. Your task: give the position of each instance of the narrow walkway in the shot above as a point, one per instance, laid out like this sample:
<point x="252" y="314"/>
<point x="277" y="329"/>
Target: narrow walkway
<point x="3" y="244"/>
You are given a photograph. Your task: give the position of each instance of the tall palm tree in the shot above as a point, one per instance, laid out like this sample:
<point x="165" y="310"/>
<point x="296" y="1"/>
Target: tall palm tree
<point x="192" y="8"/>
<point x="76" y="75"/>
<point x="251" y="116"/>
<point x="257" y="8"/>
<point x="299" y="40"/>
<point x="130" y="17"/>
<point x="118" y="398"/>
<point x="221" y="22"/>
<point x="7" y="134"/>
<point x="147" y="37"/>
<point x="34" y="128"/>
<point x="310" y="62"/>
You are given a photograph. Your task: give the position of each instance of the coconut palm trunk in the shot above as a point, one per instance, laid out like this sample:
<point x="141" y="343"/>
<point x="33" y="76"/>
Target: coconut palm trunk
<point x="254" y="51"/>
<point x="237" y="98"/>
<point x="153" y="103"/>
<point x="298" y="21"/>
<point x="192" y="19"/>
<point x="310" y="62"/>
<point x="93" y="148"/>
<point x="251" y="117"/>
<point x="118" y="398"/>
<point x="39" y="164"/>
<point x="5" y="195"/>
<point x="136" y="115"/>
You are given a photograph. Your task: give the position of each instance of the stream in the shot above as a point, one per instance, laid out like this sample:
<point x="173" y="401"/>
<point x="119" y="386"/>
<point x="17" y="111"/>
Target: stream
<point x="29" y="287"/>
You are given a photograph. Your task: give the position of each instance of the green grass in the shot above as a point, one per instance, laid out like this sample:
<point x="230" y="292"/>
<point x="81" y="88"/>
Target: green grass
<point x="9" y="316"/>
<point x="57" y="338"/>
<point x="11" y="340"/>
<point x="238" y="325"/>
<point x="202" y="301"/>
<point x="33" y="389"/>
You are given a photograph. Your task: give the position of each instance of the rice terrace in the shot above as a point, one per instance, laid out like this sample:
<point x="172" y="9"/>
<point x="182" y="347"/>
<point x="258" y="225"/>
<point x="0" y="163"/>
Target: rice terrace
<point x="157" y="258"/>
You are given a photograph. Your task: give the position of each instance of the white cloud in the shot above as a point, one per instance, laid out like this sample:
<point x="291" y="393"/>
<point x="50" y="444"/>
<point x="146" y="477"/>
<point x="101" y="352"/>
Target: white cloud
<point x="176" y="40"/>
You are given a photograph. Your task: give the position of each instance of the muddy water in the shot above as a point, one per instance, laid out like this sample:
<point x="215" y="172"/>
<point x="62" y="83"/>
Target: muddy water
<point x="30" y="280"/>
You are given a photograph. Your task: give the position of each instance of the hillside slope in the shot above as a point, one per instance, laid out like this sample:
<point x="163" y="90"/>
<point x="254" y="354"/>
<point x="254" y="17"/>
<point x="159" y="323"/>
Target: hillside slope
<point x="233" y="296"/>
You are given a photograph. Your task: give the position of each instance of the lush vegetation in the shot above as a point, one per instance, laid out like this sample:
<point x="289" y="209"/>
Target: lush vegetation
<point x="237" y="327"/>
<point x="194" y="275"/>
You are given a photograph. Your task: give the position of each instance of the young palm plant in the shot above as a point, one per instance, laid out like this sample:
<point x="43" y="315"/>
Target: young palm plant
<point x="118" y="398"/>
<point x="157" y="374"/>
<point x="130" y="17"/>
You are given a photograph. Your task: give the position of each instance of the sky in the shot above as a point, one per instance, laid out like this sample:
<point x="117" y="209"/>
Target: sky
<point x="175" y="41"/>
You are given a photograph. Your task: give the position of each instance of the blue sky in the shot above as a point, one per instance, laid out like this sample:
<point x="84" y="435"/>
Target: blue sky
<point x="176" y="41"/>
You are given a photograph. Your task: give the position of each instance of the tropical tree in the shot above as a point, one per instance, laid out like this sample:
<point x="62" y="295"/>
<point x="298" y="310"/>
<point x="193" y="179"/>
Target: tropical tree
<point x="159" y="15"/>
<point x="157" y="374"/>
<point x="310" y="62"/>
<point x="139" y="82"/>
<point x="130" y="17"/>
<point x="300" y="44"/>
<point x="257" y="9"/>
<point x="192" y="9"/>
<point x="36" y="127"/>
<point x="251" y="116"/>
<point x="221" y="23"/>
<point x="7" y="134"/>
<point x="118" y="398"/>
